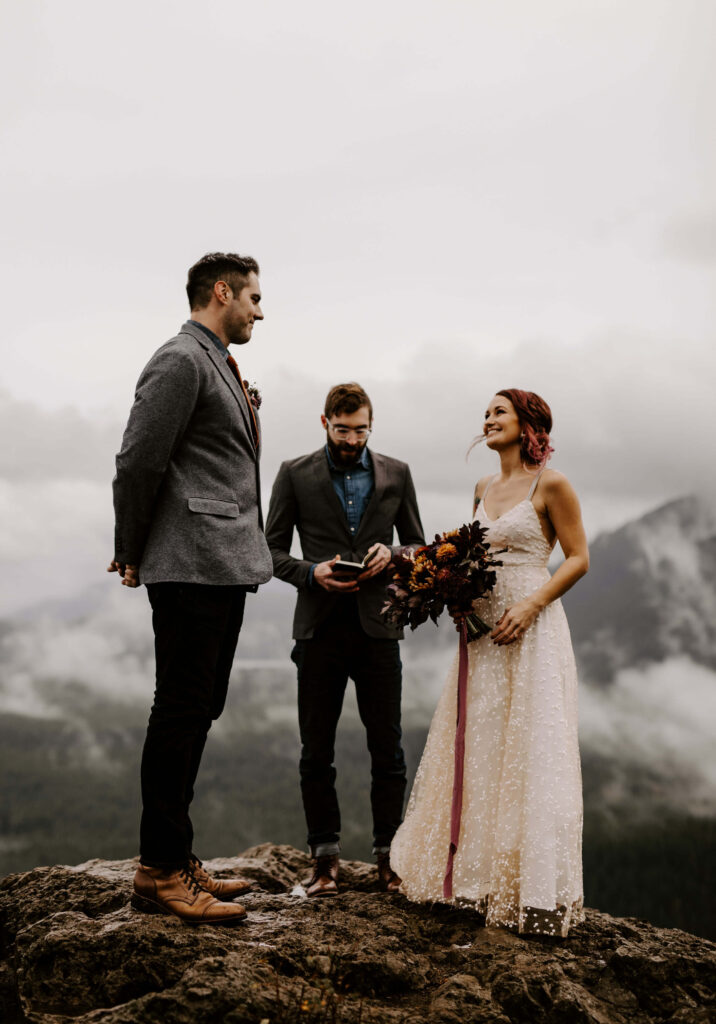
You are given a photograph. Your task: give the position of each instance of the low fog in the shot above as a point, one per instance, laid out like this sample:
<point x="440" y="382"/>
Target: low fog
<point x="659" y="718"/>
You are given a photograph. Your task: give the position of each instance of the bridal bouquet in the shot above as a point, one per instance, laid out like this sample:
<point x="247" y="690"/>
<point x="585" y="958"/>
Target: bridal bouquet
<point x="453" y="571"/>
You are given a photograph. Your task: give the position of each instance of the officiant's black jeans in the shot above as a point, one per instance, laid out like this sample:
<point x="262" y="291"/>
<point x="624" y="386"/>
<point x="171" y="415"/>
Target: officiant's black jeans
<point x="196" y="629"/>
<point x="341" y="649"/>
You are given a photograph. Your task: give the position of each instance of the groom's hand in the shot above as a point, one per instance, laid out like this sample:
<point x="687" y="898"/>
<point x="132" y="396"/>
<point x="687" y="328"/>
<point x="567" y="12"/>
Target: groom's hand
<point x="323" y="576"/>
<point x="129" y="573"/>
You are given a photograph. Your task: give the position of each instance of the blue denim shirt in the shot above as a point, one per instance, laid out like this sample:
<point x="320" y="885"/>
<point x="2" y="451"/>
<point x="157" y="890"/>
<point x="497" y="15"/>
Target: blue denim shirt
<point x="214" y="337"/>
<point x="354" y="486"/>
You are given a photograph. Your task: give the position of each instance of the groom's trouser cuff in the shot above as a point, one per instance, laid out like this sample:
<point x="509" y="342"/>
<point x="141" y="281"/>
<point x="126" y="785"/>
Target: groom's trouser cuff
<point x="326" y="850"/>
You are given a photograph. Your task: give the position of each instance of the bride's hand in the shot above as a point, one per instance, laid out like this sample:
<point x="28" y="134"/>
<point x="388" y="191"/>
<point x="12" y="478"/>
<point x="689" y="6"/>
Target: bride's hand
<point x="514" y="621"/>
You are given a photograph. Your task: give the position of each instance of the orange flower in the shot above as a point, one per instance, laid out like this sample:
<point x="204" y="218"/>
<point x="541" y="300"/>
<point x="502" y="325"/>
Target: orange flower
<point x="445" y="552"/>
<point x="423" y="575"/>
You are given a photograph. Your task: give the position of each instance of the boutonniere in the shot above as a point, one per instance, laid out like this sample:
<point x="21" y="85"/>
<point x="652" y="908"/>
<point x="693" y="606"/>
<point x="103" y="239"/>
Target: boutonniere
<point x="254" y="394"/>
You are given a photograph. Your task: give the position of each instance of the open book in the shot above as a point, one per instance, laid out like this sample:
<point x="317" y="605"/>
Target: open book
<point x="343" y="570"/>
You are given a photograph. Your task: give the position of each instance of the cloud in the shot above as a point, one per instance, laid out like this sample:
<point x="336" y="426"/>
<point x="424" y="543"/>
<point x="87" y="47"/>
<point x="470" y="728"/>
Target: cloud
<point x="449" y="181"/>
<point x="652" y="728"/>
<point x="632" y="429"/>
<point x="57" y="539"/>
<point x="632" y="418"/>
<point x="107" y="652"/>
<point x="52" y="518"/>
<point x="692" y="239"/>
<point x="101" y="645"/>
<point x="41" y="444"/>
<point x="663" y="719"/>
<point x="55" y="501"/>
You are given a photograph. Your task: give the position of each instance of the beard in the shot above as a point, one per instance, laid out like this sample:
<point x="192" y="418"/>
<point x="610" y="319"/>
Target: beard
<point x="344" y="454"/>
<point x="237" y="331"/>
<point x="238" y="337"/>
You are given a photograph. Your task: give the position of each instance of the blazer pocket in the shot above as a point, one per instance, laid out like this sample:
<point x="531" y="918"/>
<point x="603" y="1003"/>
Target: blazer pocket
<point x="214" y="507"/>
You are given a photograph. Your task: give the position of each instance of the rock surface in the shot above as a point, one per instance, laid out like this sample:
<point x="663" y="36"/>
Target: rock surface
<point x="74" y="950"/>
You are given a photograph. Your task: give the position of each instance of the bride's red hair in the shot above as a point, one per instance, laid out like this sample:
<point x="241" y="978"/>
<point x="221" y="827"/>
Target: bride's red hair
<point x="535" y="418"/>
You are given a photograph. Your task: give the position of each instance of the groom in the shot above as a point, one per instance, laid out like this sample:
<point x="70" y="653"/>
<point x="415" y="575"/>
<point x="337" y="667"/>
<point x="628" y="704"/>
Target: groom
<point x="189" y="526"/>
<point x="348" y="500"/>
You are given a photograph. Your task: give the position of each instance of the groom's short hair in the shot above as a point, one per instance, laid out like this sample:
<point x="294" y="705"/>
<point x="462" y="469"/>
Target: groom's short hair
<point x="217" y="266"/>
<point x="347" y="398"/>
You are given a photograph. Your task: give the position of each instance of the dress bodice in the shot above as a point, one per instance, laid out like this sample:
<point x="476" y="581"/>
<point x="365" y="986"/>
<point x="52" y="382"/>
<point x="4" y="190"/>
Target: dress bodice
<point x="516" y="534"/>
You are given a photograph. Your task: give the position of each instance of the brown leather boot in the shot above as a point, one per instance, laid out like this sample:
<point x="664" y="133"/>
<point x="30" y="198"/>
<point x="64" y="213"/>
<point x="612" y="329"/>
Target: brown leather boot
<point x="224" y="889"/>
<point x="387" y="878"/>
<point x="324" y="880"/>
<point x="168" y="891"/>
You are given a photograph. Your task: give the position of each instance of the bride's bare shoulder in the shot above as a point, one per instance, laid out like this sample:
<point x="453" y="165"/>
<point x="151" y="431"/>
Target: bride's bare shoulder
<point x="554" y="485"/>
<point x="481" y="485"/>
<point x="480" y="488"/>
<point x="553" y="479"/>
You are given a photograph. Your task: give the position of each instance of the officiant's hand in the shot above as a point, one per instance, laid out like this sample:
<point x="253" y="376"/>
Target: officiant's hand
<point x="129" y="573"/>
<point x="380" y="559"/>
<point x="323" y="576"/>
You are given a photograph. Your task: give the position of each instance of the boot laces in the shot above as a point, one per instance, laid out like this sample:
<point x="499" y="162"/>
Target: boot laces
<point x="190" y="880"/>
<point x="200" y="873"/>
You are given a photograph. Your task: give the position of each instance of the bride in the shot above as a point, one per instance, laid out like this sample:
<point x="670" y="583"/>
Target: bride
<point x="519" y="835"/>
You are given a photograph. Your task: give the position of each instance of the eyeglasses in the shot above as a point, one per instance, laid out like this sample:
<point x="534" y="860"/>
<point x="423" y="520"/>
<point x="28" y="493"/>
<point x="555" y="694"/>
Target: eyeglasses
<point x="343" y="433"/>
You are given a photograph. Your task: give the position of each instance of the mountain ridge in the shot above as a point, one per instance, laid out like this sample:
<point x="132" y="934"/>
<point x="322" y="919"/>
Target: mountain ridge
<point x="650" y="593"/>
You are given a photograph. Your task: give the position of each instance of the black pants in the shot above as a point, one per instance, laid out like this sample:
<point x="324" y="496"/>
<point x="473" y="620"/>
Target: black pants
<point x="340" y="649"/>
<point x="196" y="629"/>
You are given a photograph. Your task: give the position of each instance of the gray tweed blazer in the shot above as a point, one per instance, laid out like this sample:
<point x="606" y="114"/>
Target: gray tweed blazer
<point x="187" y="494"/>
<point x="303" y="497"/>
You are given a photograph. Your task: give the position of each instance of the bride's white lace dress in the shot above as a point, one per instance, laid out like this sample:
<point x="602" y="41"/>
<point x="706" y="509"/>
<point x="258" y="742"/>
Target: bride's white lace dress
<point x="519" y="856"/>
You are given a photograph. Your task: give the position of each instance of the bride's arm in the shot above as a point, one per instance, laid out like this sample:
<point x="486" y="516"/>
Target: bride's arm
<point x="561" y="505"/>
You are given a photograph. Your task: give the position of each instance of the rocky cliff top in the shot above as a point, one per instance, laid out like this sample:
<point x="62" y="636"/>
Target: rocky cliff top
<point x="74" y="950"/>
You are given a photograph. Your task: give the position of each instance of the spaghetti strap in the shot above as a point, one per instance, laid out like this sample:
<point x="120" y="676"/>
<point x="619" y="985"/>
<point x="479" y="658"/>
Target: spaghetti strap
<point x="490" y="482"/>
<point x="534" y="484"/>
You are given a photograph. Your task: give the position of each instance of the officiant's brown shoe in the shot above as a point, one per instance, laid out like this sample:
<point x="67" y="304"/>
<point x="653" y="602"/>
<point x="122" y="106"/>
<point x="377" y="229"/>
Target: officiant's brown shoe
<point x="324" y="880"/>
<point x="224" y="889"/>
<point x="387" y="878"/>
<point x="168" y="891"/>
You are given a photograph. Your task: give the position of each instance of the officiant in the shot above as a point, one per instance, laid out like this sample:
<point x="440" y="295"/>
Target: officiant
<point x="346" y="502"/>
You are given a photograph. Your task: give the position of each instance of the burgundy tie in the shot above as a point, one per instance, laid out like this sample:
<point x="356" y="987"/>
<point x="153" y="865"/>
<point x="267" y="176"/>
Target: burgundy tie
<point x="235" y="370"/>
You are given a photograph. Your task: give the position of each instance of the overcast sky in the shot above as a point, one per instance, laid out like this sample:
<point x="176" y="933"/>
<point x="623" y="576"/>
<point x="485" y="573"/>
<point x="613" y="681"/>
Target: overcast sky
<point x="446" y="198"/>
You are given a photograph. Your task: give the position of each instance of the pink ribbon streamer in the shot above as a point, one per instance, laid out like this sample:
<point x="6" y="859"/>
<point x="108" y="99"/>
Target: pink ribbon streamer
<point x="456" y="808"/>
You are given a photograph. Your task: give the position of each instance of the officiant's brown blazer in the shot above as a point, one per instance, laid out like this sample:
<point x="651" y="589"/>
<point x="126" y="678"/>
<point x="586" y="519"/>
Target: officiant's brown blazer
<point x="304" y="498"/>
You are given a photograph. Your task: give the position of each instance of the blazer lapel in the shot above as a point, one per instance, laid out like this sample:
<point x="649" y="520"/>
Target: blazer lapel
<point x="223" y="367"/>
<point x="326" y="491"/>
